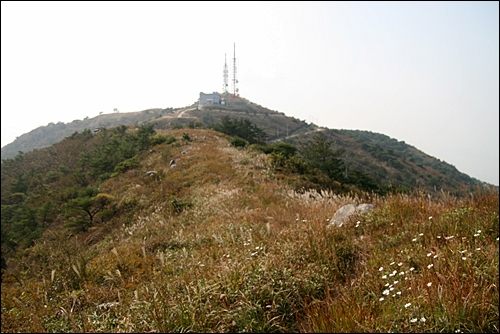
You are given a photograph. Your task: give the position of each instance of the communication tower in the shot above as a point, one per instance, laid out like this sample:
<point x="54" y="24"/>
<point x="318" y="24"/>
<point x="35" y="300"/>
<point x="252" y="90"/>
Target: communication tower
<point x="235" y="81"/>
<point x="225" y="73"/>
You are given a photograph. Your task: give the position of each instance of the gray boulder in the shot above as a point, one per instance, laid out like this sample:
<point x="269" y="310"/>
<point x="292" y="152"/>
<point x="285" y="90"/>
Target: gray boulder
<point x="364" y="208"/>
<point x="342" y="215"/>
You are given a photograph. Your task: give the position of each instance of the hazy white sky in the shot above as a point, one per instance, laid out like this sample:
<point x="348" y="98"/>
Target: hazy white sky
<point x="423" y="72"/>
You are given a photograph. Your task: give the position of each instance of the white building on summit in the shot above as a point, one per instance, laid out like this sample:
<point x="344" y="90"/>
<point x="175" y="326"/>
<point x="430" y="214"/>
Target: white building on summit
<point x="213" y="98"/>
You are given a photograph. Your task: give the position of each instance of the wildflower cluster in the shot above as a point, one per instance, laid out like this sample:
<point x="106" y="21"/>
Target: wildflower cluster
<point x="390" y="287"/>
<point x="256" y="251"/>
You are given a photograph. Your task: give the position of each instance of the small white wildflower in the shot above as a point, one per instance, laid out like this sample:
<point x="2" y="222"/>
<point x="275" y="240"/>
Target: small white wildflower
<point x="421" y="234"/>
<point x="414" y="320"/>
<point x="381" y="298"/>
<point x="429" y="254"/>
<point x="386" y="292"/>
<point x="411" y="269"/>
<point x="401" y="273"/>
<point x="386" y="284"/>
<point x="394" y="295"/>
<point x="429" y="284"/>
<point x="478" y="249"/>
<point x="465" y="250"/>
<point x="391" y="288"/>
<point x="391" y="263"/>
<point x="430" y="217"/>
<point x="384" y="277"/>
<point x="407" y="305"/>
<point x="439" y="237"/>
<point x="430" y="266"/>
<point x="400" y="264"/>
<point x="398" y="293"/>
<point x="435" y="256"/>
<point x="406" y="278"/>
<point x="396" y="282"/>
<point x="450" y="237"/>
<point x="409" y="288"/>
<point x="476" y="235"/>
<point x="414" y="239"/>
<point x="381" y="268"/>
<point x="394" y="272"/>
<point x="497" y="238"/>
<point x="478" y="231"/>
<point x="422" y="319"/>
<point x="464" y="258"/>
<point x="458" y="331"/>
<point x="390" y="275"/>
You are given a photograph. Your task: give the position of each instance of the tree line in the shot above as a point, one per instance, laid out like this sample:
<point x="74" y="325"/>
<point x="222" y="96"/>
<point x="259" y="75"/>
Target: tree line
<point x="316" y="161"/>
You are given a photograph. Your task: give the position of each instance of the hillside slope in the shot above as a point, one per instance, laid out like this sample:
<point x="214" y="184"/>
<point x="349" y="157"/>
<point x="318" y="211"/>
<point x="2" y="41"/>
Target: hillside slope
<point x="193" y="234"/>
<point x="52" y="133"/>
<point x="385" y="160"/>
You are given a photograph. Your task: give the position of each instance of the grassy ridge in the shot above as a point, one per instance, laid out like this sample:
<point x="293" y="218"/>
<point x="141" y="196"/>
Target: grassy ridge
<point x="387" y="161"/>
<point x="218" y="244"/>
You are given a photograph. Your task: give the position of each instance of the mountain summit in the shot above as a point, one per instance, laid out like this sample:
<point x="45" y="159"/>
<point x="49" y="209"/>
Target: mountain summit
<point x="384" y="160"/>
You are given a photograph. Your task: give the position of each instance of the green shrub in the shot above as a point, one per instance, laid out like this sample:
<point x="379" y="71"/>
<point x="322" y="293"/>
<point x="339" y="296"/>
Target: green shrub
<point x="171" y="140"/>
<point x="177" y="126"/>
<point x="126" y="165"/>
<point x="238" y="142"/>
<point x="157" y="139"/>
<point x="186" y="137"/>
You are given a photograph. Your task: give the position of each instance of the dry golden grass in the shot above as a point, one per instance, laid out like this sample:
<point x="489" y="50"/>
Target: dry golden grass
<point x="217" y="244"/>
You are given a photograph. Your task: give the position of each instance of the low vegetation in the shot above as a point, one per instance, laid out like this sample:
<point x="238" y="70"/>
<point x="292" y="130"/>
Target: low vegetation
<point x="136" y="230"/>
<point x="372" y="161"/>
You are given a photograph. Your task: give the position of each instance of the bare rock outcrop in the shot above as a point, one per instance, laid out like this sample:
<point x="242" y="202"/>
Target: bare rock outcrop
<point x="344" y="213"/>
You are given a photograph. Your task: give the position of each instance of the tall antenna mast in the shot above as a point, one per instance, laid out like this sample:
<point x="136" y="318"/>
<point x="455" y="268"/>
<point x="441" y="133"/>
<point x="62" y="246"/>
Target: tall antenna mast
<point x="225" y="76"/>
<point x="235" y="81"/>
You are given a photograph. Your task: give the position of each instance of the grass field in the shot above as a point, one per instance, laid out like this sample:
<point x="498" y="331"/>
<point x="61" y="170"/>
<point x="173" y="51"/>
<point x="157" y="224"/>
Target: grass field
<point x="210" y="247"/>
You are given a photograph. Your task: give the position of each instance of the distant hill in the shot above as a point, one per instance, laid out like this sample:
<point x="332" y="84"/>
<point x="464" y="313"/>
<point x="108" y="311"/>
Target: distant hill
<point x="52" y="133"/>
<point x="386" y="160"/>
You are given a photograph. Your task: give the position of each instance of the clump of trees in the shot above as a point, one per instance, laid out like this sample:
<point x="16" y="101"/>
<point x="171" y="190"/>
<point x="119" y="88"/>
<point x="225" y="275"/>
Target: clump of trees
<point x="242" y="128"/>
<point x="114" y="147"/>
<point x="315" y="161"/>
<point x="59" y="184"/>
<point x="86" y="210"/>
<point x="318" y="165"/>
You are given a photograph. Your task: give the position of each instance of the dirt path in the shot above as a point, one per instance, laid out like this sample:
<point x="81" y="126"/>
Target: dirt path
<point x="181" y="113"/>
